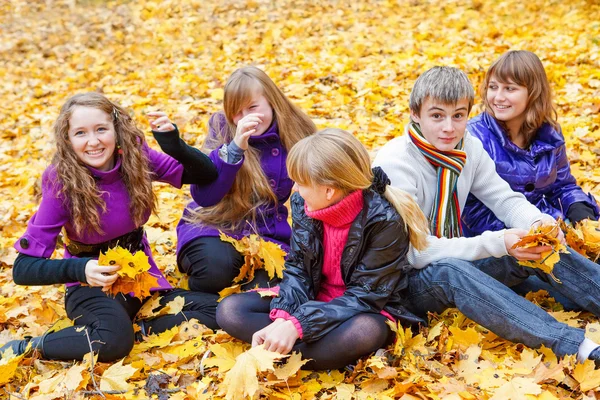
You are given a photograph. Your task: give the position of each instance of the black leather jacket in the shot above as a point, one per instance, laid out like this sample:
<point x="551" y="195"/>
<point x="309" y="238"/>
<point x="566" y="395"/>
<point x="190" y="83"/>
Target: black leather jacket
<point x="373" y="268"/>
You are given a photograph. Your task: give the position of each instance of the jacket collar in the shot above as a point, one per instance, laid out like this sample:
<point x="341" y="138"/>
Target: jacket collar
<point x="107" y="177"/>
<point x="269" y="136"/>
<point x="374" y="208"/>
<point x="546" y="138"/>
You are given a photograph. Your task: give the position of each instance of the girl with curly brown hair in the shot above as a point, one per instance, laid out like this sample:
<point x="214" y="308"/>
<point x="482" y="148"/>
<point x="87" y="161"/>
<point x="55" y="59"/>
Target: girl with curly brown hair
<point x="99" y="189"/>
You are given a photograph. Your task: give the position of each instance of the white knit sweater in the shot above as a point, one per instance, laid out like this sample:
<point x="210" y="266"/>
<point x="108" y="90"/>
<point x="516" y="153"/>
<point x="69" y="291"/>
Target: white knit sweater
<point x="409" y="170"/>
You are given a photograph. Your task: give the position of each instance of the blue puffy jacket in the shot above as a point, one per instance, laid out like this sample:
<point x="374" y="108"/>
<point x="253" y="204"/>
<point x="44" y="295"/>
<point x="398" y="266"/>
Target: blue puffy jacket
<point x="542" y="173"/>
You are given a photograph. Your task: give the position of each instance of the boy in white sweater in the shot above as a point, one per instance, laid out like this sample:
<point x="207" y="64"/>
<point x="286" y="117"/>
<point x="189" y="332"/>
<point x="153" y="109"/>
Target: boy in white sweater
<point x="439" y="164"/>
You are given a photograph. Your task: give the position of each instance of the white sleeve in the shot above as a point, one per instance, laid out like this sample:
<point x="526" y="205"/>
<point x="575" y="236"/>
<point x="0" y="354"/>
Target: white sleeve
<point x="488" y="244"/>
<point x="509" y="206"/>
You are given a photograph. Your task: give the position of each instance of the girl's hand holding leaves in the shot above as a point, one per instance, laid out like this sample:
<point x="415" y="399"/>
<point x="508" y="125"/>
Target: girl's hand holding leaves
<point x="132" y="273"/>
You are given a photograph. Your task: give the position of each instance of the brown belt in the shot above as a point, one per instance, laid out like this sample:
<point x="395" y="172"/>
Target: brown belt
<point x="131" y="241"/>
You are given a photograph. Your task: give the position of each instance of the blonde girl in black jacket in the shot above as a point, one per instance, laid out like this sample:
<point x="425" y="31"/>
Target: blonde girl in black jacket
<point x="345" y="271"/>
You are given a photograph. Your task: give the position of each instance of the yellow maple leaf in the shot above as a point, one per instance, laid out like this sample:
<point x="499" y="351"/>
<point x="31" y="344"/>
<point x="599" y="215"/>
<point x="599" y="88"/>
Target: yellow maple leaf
<point x="517" y="389"/>
<point x="115" y="377"/>
<point x="292" y="365"/>
<point x="274" y="258"/>
<point x="116" y="256"/>
<point x="345" y="391"/>
<point x="587" y="376"/>
<point x="162" y="339"/>
<point x="241" y="380"/>
<point x="225" y="355"/>
<point x="8" y="365"/>
<point x="464" y="338"/>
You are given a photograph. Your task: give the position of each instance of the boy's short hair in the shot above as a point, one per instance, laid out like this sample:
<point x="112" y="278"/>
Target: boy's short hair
<point x="446" y="84"/>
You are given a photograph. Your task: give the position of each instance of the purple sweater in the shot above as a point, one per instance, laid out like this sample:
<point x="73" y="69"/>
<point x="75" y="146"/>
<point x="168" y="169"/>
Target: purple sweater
<point x="272" y="219"/>
<point x="39" y="240"/>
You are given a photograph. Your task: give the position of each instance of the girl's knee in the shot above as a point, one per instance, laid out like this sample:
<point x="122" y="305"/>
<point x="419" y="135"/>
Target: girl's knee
<point x="227" y="310"/>
<point x="113" y="344"/>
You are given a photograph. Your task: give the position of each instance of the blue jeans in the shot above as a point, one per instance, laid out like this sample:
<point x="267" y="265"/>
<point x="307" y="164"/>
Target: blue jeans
<point x="533" y="284"/>
<point x="479" y="290"/>
<point x="580" y="277"/>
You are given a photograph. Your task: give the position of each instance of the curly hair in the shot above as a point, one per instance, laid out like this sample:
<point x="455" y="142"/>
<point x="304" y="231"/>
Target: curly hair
<point x="251" y="188"/>
<point x="77" y="184"/>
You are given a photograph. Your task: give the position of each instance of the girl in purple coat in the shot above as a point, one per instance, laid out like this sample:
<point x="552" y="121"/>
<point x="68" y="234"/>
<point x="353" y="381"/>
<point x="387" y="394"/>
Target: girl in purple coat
<point x="519" y="131"/>
<point x="248" y="142"/>
<point x="98" y="188"/>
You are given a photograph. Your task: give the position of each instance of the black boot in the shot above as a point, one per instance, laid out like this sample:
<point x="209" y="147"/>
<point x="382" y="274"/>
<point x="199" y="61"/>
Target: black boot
<point x="20" y="346"/>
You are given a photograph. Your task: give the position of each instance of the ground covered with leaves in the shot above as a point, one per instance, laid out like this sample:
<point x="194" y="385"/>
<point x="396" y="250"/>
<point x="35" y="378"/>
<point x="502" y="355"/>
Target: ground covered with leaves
<point x="349" y="64"/>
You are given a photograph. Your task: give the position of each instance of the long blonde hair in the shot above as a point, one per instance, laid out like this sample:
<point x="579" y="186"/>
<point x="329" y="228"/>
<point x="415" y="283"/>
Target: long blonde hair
<point x="77" y="184"/>
<point x="525" y="69"/>
<point x="333" y="157"/>
<point x="251" y="188"/>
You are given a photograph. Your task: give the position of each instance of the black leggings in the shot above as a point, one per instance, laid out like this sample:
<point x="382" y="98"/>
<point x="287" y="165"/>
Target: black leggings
<point x="242" y="315"/>
<point x="212" y="264"/>
<point x="109" y="322"/>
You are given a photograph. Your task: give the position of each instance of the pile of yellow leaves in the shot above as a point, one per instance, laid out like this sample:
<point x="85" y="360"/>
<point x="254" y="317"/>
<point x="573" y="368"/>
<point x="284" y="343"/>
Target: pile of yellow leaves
<point x="134" y="276"/>
<point x="258" y="254"/>
<point x="544" y="235"/>
<point x="584" y="238"/>
<point x="350" y="65"/>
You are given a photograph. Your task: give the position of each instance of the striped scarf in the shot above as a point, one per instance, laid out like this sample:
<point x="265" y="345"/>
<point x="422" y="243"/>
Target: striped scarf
<point x="444" y="220"/>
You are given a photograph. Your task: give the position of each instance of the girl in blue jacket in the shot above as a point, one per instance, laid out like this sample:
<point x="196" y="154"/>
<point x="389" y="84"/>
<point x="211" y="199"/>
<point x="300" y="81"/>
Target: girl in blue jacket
<point x="519" y="131"/>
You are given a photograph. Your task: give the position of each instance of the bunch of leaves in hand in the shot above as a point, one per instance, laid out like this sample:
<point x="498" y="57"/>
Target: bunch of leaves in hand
<point x="258" y="254"/>
<point x="584" y="238"/>
<point x="134" y="275"/>
<point x="544" y="235"/>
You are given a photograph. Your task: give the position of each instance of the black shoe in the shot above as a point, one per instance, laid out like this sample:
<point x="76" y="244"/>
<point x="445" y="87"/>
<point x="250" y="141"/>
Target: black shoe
<point x="20" y="346"/>
<point x="595" y="356"/>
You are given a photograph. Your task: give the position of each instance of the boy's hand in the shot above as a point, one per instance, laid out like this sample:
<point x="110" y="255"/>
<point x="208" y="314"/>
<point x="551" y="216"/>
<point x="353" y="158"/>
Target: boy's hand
<point x="160" y="122"/>
<point x="245" y="128"/>
<point x="512" y="236"/>
<point x="280" y="336"/>
<point x="101" y="275"/>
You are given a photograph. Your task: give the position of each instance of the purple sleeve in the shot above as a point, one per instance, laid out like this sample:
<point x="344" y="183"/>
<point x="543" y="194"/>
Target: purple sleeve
<point x="166" y="168"/>
<point x="210" y="194"/>
<point x="565" y="190"/>
<point x="39" y="240"/>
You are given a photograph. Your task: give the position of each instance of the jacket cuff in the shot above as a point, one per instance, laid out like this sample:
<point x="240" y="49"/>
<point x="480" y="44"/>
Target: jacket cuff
<point x="580" y="211"/>
<point x="276" y="313"/>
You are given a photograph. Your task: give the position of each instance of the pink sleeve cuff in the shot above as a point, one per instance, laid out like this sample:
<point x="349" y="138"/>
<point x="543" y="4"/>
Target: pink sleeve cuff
<point x="276" y="313"/>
